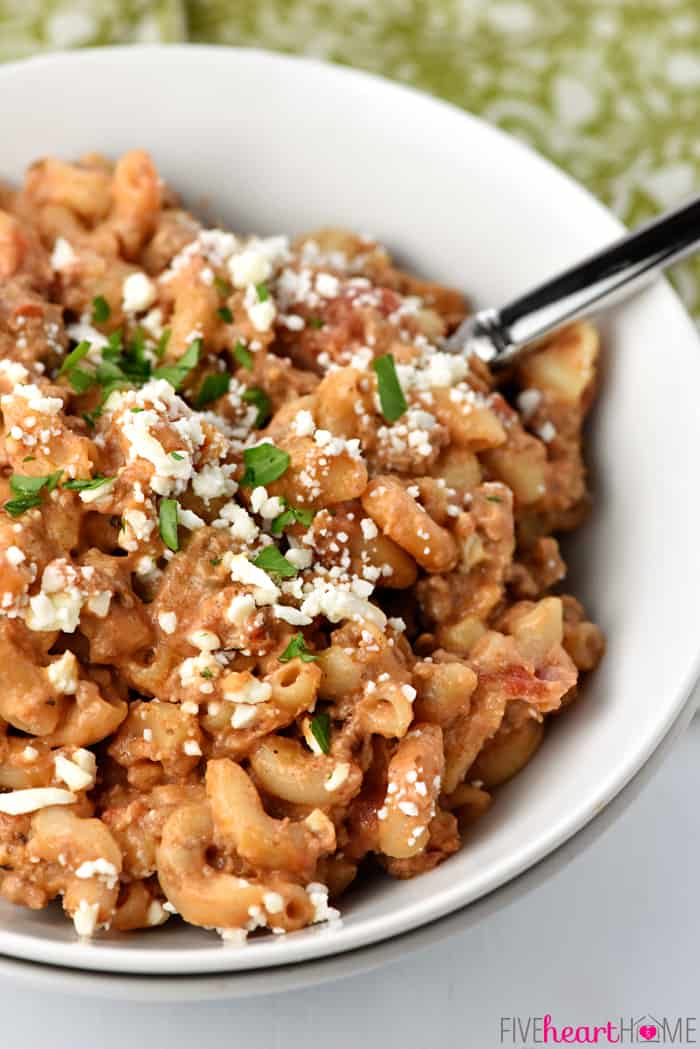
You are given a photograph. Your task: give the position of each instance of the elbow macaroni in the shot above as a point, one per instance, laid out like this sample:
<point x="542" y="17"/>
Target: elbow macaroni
<point x="303" y="615"/>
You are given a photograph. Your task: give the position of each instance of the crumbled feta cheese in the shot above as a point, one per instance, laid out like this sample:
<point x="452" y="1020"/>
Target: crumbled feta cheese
<point x="409" y="808"/>
<point x="250" y="266"/>
<point x="156" y="914"/>
<point x="528" y="402"/>
<point x="62" y="256"/>
<point x="234" y="937"/>
<point x="54" y="611"/>
<point x="99" y="603"/>
<point x="63" y="674"/>
<point x="99" y="868"/>
<point x="204" y="640"/>
<point x="243" y="715"/>
<point x="15" y="556"/>
<point x="337" y="778"/>
<point x="303" y="424"/>
<point x="75" y="777"/>
<point x="265" y="592"/>
<point x="85" y="918"/>
<point x="273" y="903"/>
<point x="262" y="314"/>
<point x="94" y="495"/>
<point x="167" y="622"/>
<point x="213" y="482"/>
<point x="36" y="401"/>
<point x="17" y="802"/>
<point x="241" y="608"/>
<point x="547" y="432"/>
<point x="244" y="688"/>
<point x="291" y="615"/>
<point x="369" y="528"/>
<point x="318" y="895"/>
<point x="138" y="293"/>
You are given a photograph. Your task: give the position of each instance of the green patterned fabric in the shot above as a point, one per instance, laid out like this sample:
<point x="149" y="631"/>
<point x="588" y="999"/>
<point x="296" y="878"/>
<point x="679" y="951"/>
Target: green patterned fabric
<point x="608" y="89"/>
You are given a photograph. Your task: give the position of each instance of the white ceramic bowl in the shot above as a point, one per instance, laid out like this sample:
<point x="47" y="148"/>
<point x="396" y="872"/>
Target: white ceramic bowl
<point x="278" y="144"/>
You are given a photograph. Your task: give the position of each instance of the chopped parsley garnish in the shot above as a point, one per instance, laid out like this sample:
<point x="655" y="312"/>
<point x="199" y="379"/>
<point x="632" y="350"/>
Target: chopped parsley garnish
<point x="100" y="309"/>
<point x="22" y="484"/>
<point x="121" y="366"/>
<point x="215" y="562"/>
<point x="292" y="515"/>
<point x="167" y="520"/>
<point x="225" y="314"/>
<point x="162" y="343"/>
<point x="222" y="286"/>
<point x="263" y="464"/>
<point x="28" y="491"/>
<point x="80" y="380"/>
<point x="296" y="649"/>
<point x="75" y="357"/>
<point x="254" y="395"/>
<point x="321" y="731"/>
<point x="178" y="456"/>
<point x="391" y="395"/>
<point x="243" y="356"/>
<point x="213" y="387"/>
<point x="275" y="563"/>
<point x="29" y="459"/>
<point x="176" y="374"/>
<point x="263" y="292"/>
<point x="316" y="322"/>
<point x="494" y="499"/>
<point x="18" y="506"/>
<point x="206" y="673"/>
<point x="88" y="485"/>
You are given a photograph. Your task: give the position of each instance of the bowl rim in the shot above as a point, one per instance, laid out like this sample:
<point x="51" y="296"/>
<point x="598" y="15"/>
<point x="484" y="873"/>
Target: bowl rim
<point x="105" y="957"/>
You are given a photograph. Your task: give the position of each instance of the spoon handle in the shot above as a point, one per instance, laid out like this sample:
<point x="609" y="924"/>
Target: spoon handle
<point x="599" y="281"/>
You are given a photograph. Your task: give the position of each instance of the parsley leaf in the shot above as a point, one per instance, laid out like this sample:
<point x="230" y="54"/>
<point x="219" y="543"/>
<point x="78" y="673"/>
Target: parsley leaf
<point x="162" y="344"/>
<point x="176" y="374"/>
<point x="263" y="464"/>
<point x="292" y="515"/>
<point x="254" y="395"/>
<point x="222" y="286"/>
<point x="213" y="387"/>
<point x="167" y="520"/>
<point x="321" y="731"/>
<point x="296" y="649"/>
<point x="22" y="484"/>
<point x="75" y="356"/>
<point x="18" y="506"/>
<point x="243" y="356"/>
<point x="263" y="292"/>
<point x="316" y="322"/>
<point x="225" y="314"/>
<point x="177" y="456"/>
<point x="391" y="395"/>
<point x="87" y="485"/>
<point x="80" y="380"/>
<point x="272" y="561"/>
<point x="494" y="499"/>
<point x="100" y="309"/>
<point x="27" y="491"/>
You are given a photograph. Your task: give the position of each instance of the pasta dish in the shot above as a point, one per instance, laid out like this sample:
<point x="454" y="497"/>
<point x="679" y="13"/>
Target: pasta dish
<point x="280" y="590"/>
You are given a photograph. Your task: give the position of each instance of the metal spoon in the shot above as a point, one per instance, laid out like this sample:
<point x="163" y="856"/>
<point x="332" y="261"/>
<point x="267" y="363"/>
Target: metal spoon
<point x="499" y="336"/>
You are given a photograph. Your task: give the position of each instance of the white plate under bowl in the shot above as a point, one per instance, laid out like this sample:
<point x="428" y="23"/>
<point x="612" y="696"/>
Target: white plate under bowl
<point x="279" y="144"/>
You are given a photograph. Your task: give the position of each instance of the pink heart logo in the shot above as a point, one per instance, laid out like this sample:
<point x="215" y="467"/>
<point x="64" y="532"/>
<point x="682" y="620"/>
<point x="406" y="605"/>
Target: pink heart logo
<point x="648" y="1031"/>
